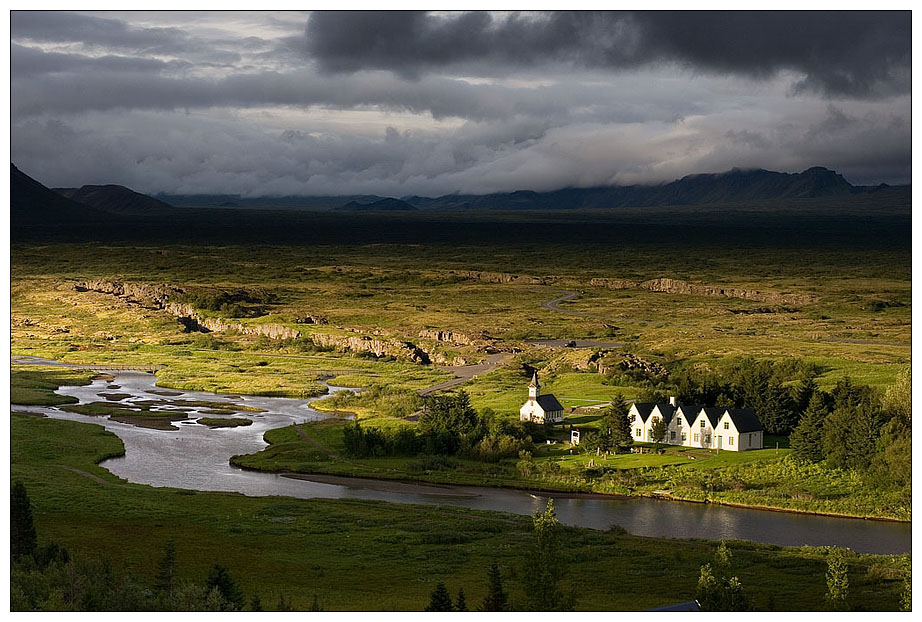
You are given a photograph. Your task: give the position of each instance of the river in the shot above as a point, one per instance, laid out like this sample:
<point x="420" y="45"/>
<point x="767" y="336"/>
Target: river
<point x="196" y="457"/>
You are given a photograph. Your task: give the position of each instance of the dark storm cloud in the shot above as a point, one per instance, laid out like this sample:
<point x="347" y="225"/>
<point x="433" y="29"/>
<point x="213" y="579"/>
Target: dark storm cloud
<point x="862" y="54"/>
<point x="58" y="27"/>
<point x="27" y="61"/>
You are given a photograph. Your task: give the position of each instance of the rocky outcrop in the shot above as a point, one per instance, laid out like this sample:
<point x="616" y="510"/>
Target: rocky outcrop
<point x="675" y="286"/>
<point x="157" y="296"/>
<point x="613" y="283"/>
<point x="456" y="338"/>
<point x="310" y="319"/>
<point x="503" y="277"/>
<point x="378" y="347"/>
<point x="606" y="364"/>
<point x="150" y="295"/>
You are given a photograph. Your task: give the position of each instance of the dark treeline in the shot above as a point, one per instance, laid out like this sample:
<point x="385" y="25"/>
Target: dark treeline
<point x="448" y="426"/>
<point x="778" y="391"/>
<point x="47" y="577"/>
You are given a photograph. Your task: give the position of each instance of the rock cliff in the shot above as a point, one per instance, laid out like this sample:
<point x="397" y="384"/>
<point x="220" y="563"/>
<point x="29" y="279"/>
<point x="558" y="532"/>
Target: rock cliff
<point x="675" y="286"/>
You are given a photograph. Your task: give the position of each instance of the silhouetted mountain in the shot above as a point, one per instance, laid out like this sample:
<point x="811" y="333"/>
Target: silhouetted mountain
<point x="293" y="203"/>
<point x="731" y="186"/>
<point x="112" y="198"/>
<point x="31" y="203"/>
<point x="389" y="205"/>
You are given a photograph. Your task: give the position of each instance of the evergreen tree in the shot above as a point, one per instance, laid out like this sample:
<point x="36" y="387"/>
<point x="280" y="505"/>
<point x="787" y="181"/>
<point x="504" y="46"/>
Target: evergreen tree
<point x="837" y="581"/>
<point x="807" y="437"/>
<point x="440" y="599"/>
<point x="461" y="603"/>
<point x="804" y="393"/>
<point x="658" y="431"/>
<point x="496" y="598"/>
<point x="219" y="578"/>
<point x="544" y="567"/>
<point x="717" y="590"/>
<point x="617" y="421"/>
<point x="23" y="538"/>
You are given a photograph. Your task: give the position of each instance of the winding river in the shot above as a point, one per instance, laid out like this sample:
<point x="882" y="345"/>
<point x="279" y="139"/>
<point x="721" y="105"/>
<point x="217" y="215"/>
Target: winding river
<point x="196" y="457"/>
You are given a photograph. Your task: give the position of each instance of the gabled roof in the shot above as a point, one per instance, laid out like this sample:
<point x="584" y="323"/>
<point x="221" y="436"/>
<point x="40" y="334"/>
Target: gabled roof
<point x="643" y="409"/>
<point x="666" y="410"/>
<point x="713" y="414"/>
<point x="534" y="380"/>
<point x="549" y="403"/>
<point x="689" y="411"/>
<point x="744" y="419"/>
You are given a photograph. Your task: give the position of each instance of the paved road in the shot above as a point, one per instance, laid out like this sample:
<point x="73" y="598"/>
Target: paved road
<point x="465" y="373"/>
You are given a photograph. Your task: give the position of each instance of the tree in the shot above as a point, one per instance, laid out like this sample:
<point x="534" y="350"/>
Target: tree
<point x="850" y="435"/>
<point x="807" y="437"/>
<point x="220" y="579"/>
<point x="315" y="604"/>
<point x="717" y="590"/>
<point x="496" y="598"/>
<point x="837" y="581"/>
<point x="804" y="392"/>
<point x="23" y="538"/>
<point x="445" y="420"/>
<point x="658" y="431"/>
<point x="440" y="599"/>
<point x="616" y="424"/>
<point x="544" y="567"/>
<point x="461" y="603"/>
<point x="255" y="603"/>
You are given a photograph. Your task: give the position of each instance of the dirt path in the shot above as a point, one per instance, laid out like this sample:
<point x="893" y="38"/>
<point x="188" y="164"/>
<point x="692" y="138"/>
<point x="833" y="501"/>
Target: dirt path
<point x="322" y="448"/>
<point x="95" y="478"/>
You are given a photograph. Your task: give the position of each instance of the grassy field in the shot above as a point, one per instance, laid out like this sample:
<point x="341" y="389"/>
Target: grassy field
<point x="364" y="555"/>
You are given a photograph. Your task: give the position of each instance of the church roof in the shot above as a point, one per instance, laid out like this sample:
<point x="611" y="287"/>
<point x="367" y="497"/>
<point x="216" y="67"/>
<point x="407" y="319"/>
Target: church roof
<point x="534" y="380"/>
<point x="549" y="403"/>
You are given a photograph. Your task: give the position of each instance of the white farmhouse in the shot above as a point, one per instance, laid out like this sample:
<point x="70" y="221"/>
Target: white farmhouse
<point x="731" y="429"/>
<point x="540" y="408"/>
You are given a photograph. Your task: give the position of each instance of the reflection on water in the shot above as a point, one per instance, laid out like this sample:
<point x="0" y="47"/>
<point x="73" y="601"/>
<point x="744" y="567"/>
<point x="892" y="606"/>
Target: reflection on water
<point x="196" y="457"/>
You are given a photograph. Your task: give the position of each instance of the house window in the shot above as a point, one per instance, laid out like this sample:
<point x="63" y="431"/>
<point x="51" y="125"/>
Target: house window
<point x="639" y="433"/>
<point x="750" y="439"/>
<point x="730" y="440"/>
<point x="683" y="437"/>
<point x="707" y="438"/>
<point x="726" y="425"/>
<point x="702" y="423"/>
<point x="672" y="435"/>
<point x="696" y="437"/>
<point x="678" y="421"/>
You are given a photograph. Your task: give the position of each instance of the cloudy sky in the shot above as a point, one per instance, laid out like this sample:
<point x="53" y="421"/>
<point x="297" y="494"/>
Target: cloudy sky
<point x="433" y="103"/>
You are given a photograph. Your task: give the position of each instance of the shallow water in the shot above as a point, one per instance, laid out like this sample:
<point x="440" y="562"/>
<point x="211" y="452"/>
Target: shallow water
<point x="196" y="457"/>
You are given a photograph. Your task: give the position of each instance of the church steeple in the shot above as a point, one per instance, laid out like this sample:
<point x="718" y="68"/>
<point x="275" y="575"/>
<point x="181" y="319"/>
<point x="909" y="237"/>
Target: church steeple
<point x="534" y="389"/>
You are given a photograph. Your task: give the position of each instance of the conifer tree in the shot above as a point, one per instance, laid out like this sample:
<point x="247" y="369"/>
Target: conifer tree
<point x="544" y="566"/>
<point x="496" y="598"/>
<point x="807" y="437"/>
<point x="440" y="599"/>
<point x="23" y="538"/>
<point x="461" y="603"/>
<point x="219" y="578"/>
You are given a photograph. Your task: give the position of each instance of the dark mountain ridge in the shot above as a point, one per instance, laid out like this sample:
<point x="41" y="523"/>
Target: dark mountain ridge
<point x="701" y="189"/>
<point x="113" y="198"/>
<point x="384" y="205"/>
<point x="31" y="203"/>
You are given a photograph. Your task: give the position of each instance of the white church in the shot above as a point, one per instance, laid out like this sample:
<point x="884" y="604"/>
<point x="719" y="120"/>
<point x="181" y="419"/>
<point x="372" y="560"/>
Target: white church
<point x="540" y="408"/>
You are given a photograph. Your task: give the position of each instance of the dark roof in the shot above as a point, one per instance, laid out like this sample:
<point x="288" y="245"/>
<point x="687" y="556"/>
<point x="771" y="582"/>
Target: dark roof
<point x="714" y="414"/>
<point x="644" y="409"/>
<point x="691" y="605"/>
<point x="689" y="411"/>
<point x="745" y="419"/>
<point x="667" y="410"/>
<point x="549" y="403"/>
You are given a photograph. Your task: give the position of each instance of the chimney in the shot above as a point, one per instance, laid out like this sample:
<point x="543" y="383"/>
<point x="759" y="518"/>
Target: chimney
<point x="672" y="400"/>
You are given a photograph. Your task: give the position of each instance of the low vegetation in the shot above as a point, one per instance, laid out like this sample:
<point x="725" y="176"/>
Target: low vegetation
<point x="281" y="545"/>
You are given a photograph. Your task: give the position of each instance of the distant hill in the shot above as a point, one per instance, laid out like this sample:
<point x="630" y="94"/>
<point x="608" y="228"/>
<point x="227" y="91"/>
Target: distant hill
<point x="31" y="203"/>
<point x="705" y="189"/>
<point x="388" y="205"/>
<point x="289" y="203"/>
<point x="115" y="199"/>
